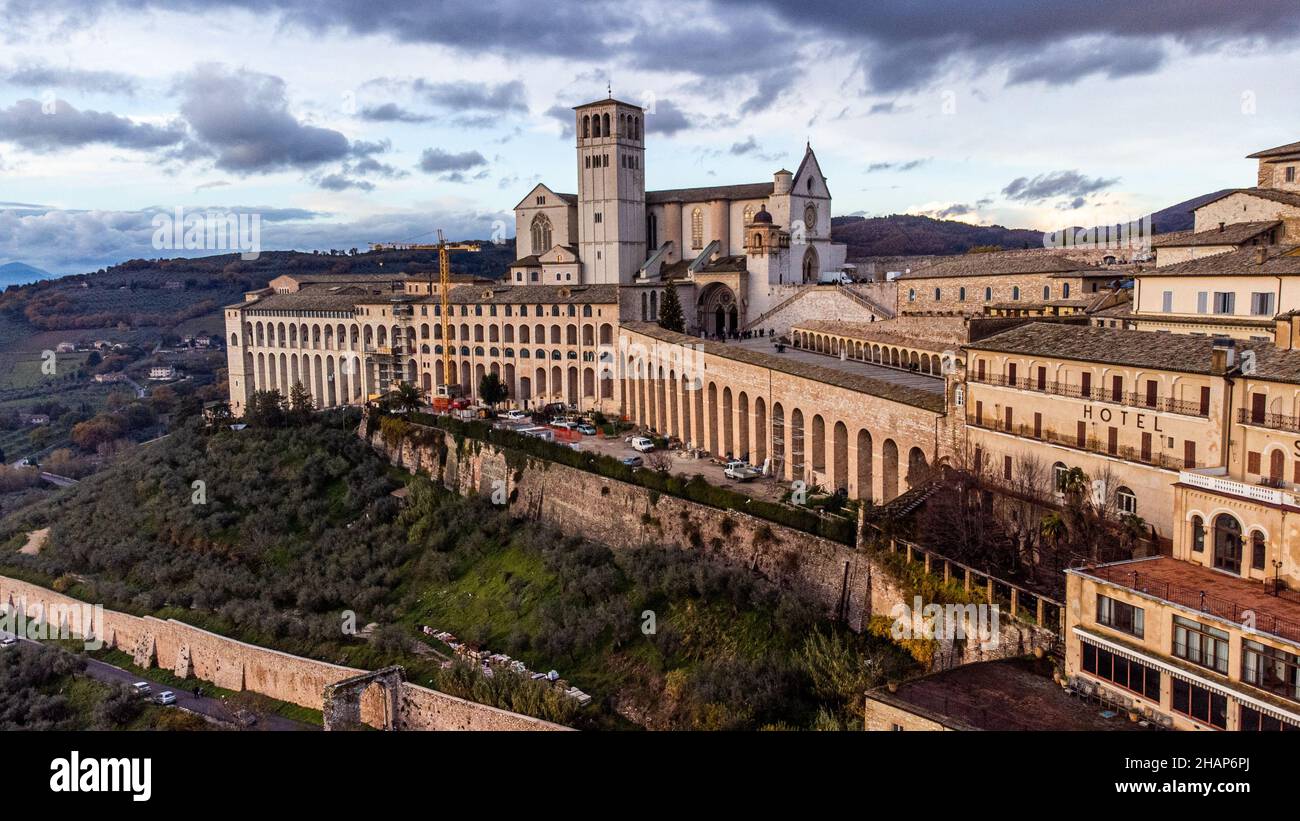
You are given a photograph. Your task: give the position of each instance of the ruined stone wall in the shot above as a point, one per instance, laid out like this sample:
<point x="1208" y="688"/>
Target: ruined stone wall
<point x="234" y="665"/>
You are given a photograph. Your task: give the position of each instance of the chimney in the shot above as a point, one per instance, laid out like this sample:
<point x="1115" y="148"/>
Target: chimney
<point x="1261" y="254"/>
<point x="1223" y="355"/>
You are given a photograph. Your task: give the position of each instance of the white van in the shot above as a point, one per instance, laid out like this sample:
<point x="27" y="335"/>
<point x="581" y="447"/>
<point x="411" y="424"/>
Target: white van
<point x="834" y="278"/>
<point x="642" y="444"/>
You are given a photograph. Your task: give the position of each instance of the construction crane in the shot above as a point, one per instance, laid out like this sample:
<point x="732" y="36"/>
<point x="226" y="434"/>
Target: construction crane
<point x="444" y="249"/>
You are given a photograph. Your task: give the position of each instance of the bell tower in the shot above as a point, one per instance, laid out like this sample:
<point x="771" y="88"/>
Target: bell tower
<point x="611" y="191"/>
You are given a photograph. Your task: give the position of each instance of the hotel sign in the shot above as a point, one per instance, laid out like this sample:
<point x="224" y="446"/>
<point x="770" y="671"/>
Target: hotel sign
<point x="1124" y="417"/>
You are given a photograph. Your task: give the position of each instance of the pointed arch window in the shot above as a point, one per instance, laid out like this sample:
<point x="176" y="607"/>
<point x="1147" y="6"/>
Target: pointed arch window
<point x="697" y="228"/>
<point x="541" y="231"/>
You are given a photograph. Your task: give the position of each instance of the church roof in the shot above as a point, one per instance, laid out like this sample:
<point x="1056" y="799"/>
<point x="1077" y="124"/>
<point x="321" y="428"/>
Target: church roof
<point x="743" y="191"/>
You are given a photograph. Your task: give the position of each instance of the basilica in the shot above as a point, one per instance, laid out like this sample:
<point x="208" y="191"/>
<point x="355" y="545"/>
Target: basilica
<point x="731" y="252"/>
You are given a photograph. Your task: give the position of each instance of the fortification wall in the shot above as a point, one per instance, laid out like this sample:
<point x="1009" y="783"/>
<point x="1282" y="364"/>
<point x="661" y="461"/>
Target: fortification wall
<point x="234" y="665"/>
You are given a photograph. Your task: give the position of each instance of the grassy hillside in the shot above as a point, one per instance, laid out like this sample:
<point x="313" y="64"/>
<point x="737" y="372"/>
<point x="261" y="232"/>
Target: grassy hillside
<point x="298" y="526"/>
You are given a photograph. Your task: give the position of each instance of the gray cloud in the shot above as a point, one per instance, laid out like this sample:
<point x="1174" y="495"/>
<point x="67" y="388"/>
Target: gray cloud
<point x="392" y="113"/>
<point x="1113" y="60"/>
<point x="747" y="147"/>
<point x="60" y="126"/>
<point x="242" y="119"/>
<point x="667" y="119"/>
<point x="1055" y="184"/>
<point x="958" y="209"/>
<point x="438" y="161"/>
<point x="909" y="165"/>
<point x="42" y="75"/>
<point x="899" y="46"/>
<point x="338" y="182"/>
<point x="469" y="96"/>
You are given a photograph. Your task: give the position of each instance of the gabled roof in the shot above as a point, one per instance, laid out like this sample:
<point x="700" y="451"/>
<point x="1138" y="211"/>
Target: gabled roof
<point x="1233" y="234"/>
<point x="568" y="199"/>
<point x="1278" y="260"/>
<point x="1281" y="150"/>
<point x="1284" y="197"/>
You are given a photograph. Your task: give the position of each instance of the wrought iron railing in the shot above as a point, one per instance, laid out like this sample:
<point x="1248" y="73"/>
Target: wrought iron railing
<point x="1134" y="400"/>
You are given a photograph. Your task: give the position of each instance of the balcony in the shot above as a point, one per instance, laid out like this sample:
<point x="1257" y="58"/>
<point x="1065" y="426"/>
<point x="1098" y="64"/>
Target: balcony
<point x="1089" y="445"/>
<point x="1213" y="592"/>
<point x="1276" y="421"/>
<point x="1132" y="400"/>
<point x="1232" y="487"/>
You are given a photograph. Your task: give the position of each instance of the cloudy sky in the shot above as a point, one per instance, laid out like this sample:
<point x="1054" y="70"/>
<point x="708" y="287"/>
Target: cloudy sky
<point x="346" y="122"/>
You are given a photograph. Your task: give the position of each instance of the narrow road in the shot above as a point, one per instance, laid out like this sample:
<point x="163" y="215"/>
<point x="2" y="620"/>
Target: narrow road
<point x="203" y="705"/>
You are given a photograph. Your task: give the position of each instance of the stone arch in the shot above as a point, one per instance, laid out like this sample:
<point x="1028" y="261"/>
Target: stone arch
<point x="889" y="472"/>
<point x="917" y="468"/>
<point x="728" y="424"/>
<point x="864" y="464"/>
<point x="798" y="465"/>
<point x="810" y="267"/>
<point x="818" y="443"/>
<point x="840" y="457"/>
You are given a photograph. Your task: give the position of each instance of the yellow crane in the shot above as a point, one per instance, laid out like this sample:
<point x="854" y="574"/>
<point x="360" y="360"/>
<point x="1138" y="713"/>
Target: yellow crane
<point x="444" y="249"/>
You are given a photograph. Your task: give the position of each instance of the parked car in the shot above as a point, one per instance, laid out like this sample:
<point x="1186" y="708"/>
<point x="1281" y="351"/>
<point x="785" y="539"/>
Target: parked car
<point x="633" y="461"/>
<point x="166" y="697"/>
<point x="515" y="415"/>
<point x="564" y="424"/>
<point x="141" y="688"/>
<point x="585" y="429"/>
<point x="642" y="444"/>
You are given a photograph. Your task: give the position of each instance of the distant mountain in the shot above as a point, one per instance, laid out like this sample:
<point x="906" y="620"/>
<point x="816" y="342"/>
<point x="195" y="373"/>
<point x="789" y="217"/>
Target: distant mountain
<point x="1179" y="217"/>
<point x="910" y="235"/>
<point x="20" y="273"/>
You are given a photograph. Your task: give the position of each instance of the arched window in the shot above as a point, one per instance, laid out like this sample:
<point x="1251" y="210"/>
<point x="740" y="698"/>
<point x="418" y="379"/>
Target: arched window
<point x="1126" y="501"/>
<point x="654" y="306"/>
<point x="961" y="294"/>
<point x="911" y="294"/>
<point x="1065" y="290"/>
<point x="541" y="234"/>
<point x="586" y="126"/>
<point x="697" y="228"/>
<point x="1227" y="543"/>
<point x="1198" y="534"/>
<point x="936" y="294"/>
<point x="1257" y="550"/>
<point x="1015" y="292"/>
<point x="645" y="306"/>
<point x="1047" y="292"/>
<point x="988" y="294"/>
<point x="1059" y="474"/>
<point x="749" y="214"/>
<point x="604" y="125"/>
